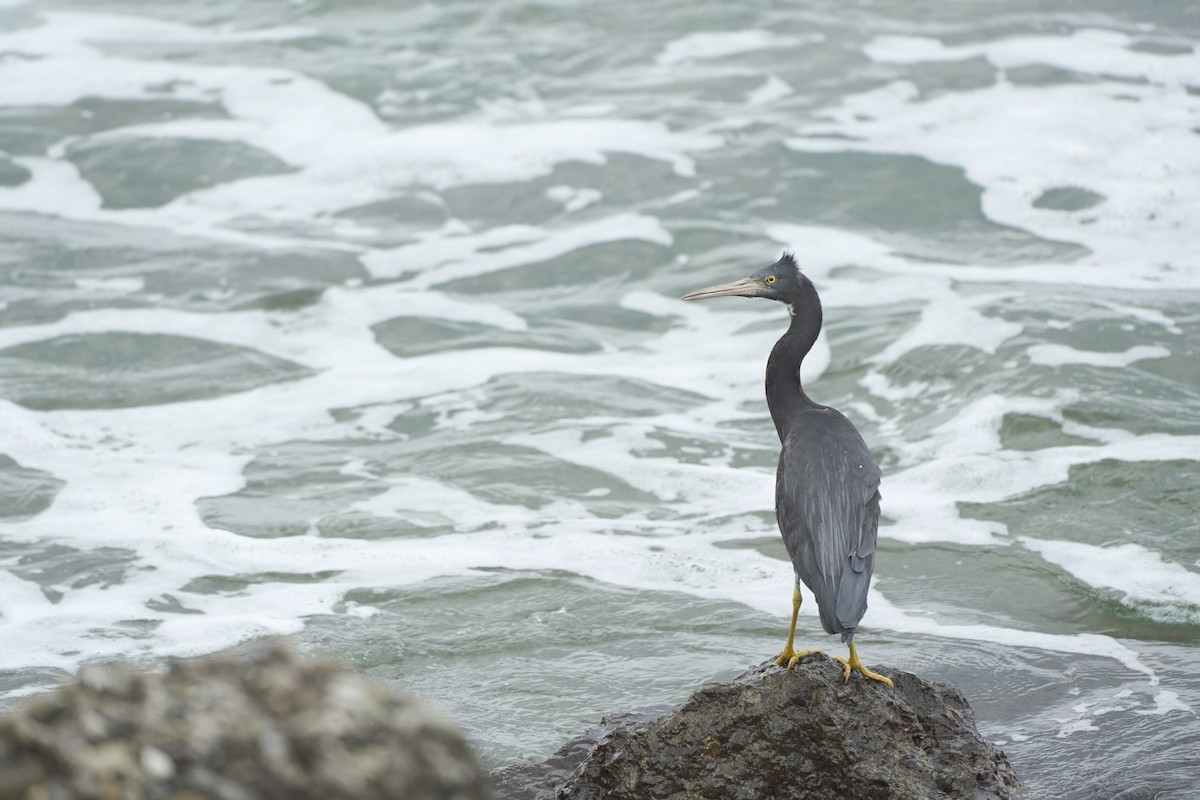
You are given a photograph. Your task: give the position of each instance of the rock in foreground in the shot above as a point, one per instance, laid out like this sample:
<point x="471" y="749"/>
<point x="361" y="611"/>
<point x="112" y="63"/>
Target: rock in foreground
<point x="268" y="726"/>
<point x="778" y="734"/>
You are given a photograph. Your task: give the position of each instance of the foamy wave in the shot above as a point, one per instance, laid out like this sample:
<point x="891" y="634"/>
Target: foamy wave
<point x="710" y="45"/>
<point x="1023" y="143"/>
<point x="1056" y="355"/>
<point x="1162" y="590"/>
<point x="343" y="154"/>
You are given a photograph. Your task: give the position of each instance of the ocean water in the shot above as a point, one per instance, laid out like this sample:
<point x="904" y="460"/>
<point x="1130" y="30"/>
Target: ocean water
<point x="358" y="324"/>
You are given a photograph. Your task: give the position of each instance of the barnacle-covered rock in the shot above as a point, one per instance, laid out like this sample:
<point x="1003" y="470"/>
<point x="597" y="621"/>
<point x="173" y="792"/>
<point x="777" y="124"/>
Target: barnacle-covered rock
<point x="802" y="734"/>
<point x="267" y="725"/>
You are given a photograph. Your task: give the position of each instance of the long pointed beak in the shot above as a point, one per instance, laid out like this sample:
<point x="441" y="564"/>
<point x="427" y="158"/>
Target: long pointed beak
<point x="746" y="287"/>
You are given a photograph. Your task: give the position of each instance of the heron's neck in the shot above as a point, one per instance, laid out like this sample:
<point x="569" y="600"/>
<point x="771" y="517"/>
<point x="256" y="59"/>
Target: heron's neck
<point x="785" y="395"/>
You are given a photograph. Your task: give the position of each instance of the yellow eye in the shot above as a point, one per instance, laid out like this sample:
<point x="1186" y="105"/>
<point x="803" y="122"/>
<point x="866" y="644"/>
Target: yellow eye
<point x="770" y="279"/>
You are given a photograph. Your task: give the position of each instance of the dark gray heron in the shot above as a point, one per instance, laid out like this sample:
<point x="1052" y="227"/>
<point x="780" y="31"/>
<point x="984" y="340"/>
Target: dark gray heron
<point x="827" y="483"/>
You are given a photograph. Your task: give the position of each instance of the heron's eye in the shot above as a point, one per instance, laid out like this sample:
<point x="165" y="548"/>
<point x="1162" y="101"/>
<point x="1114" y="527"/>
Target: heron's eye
<point x="770" y="279"/>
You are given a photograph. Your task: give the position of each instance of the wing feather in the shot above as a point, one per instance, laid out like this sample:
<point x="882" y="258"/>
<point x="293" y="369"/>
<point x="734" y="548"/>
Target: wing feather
<point x="827" y="506"/>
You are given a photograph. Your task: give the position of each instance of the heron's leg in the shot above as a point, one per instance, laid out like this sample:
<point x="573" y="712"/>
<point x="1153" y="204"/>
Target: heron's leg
<point x="789" y="656"/>
<point x="853" y="664"/>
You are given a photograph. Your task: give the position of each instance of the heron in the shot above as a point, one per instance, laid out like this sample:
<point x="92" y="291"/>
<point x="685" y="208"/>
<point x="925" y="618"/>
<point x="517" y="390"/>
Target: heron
<point x="827" y="483"/>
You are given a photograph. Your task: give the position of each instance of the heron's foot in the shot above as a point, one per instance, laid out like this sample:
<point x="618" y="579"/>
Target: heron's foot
<point x="790" y="657"/>
<point x="852" y="664"/>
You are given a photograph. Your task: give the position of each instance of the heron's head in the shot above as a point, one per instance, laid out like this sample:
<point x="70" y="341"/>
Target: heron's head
<point x="781" y="281"/>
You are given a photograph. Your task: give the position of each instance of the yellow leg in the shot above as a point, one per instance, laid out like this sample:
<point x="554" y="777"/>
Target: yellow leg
<point x="789" y="656"/>
<point x="853" y="664"/>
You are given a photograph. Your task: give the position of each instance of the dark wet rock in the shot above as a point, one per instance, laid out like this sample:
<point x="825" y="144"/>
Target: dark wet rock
<point x="266" y="726"/>
<point x="778" y="734"/>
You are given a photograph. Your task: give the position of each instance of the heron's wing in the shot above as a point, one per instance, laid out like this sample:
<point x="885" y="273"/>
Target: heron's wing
<point x="827" y="504"/>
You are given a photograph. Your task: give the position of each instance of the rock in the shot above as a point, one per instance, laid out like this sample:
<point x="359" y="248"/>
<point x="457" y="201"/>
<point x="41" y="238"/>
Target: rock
<point x="772" y="733"/>
<point x="271" y="725"/>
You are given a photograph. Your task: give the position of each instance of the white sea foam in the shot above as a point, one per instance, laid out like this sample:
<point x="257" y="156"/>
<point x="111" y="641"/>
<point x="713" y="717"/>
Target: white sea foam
<point x="130" y="285"/>
<point x="55" y="187"/>
<point x="346" y="156"/>
<point x="885" y="614"/>
<point x="1091" y="51"/>
<point x="1076" y="726"/>
<point x="711" y="45"/>
<point x="1162" y="590"/>
<point x="947" y="317"/>
<point x="1056" y="355"/>
<point x="962" y="461"/>
<point x="1017" y="142"/>
<point x="951" y="317"/>
<point x="1165" y="702"/>
<point x="68" y="43"/>
<point x="774" y="88"/>
<point x="574" y="198"/>
<point x="441" y="258"/>
<point x="1124" y="701"/>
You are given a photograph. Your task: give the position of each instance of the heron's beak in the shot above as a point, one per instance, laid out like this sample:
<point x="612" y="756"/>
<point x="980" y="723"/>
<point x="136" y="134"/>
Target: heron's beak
<point x="746" y="287"/>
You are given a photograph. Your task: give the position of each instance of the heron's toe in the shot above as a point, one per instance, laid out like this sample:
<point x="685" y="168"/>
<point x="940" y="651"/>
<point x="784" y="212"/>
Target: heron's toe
<point x="866" y="673"/>
<point x="854" y="665"/>
<point x="790" y="657"/>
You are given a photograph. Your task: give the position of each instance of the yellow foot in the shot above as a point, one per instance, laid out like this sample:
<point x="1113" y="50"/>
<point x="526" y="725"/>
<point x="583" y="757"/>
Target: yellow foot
<point x="789" y="657"/>
<point x="852" y="664"/>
